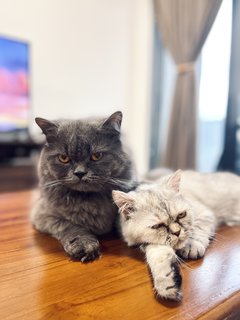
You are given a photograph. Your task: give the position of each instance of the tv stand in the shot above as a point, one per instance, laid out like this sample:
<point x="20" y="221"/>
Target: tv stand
<point x="10" y="151"/>
<point x="18" y="162"/>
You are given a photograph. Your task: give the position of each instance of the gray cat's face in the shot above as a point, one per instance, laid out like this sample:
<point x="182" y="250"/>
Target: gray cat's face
<point x="83" y="155"/>
<point x="155" y="214"/>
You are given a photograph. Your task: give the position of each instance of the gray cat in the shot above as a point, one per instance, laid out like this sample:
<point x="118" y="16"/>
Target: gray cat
<point x="177" y="215"/>
<point x="80" y="164"/>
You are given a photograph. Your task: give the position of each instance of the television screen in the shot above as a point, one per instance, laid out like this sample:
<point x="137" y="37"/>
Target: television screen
<point x="14" y="85"/>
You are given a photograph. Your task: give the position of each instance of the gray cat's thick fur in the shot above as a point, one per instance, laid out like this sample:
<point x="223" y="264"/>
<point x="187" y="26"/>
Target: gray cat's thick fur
<point x="76" y="203"/>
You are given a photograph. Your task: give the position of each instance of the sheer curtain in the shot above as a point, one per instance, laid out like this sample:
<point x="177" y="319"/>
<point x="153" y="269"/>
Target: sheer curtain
<point x="184" y="26"/>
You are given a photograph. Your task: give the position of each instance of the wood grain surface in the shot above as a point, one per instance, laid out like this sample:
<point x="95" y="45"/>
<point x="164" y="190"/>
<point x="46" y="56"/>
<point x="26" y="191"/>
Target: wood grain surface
<point x="38" y="281"/>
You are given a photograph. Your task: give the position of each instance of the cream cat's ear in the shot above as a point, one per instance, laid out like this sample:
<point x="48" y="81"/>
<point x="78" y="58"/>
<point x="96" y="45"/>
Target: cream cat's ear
<point x="114" y="121"/>
<point x="174" y="181"/>
<point x="125" y="203"/>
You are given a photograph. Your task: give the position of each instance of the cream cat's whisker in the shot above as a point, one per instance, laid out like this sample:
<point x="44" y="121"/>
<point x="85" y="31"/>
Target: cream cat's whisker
<point x="201" y="233"/>
<point x="218" y="235"/>
<point x="217" y="238"/>
<point x="212" y="238"/>
<point x="183" y="263"/>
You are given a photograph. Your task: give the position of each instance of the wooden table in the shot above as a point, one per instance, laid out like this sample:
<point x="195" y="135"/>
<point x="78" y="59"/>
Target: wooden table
<point x="38" y="281"/>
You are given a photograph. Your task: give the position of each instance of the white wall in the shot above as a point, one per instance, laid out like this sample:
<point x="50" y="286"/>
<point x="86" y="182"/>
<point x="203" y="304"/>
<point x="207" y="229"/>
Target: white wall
<point x="88" y="57"/>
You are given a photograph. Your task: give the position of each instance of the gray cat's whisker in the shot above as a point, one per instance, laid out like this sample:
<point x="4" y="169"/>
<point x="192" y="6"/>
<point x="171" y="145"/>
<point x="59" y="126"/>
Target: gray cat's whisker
<point x="50" y="184"/>
<point x="119" y="181"/>
<point x="124" y="185"/>
<point x="58" y="180"/>
<point x="54" y="183"/>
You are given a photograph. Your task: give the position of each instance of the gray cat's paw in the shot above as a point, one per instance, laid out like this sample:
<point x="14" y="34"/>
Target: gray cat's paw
<point x="193" y="250"/>
<point x="82" y="248"/>
<point x="168" y="286"/>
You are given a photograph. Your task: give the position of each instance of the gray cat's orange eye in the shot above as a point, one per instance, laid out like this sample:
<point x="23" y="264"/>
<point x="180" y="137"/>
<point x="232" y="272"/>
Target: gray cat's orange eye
<point x="96" y="156"/>
<point x="182" y="215"/>
<point x="63" y="158"/>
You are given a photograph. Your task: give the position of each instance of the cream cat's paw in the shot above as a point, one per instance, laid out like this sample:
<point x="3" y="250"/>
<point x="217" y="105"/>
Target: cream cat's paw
<point x="168" y="285"/>
<point x="193" y="250"/>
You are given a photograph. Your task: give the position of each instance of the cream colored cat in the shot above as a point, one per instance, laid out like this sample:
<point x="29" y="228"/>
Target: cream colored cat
<point x="177" y="215"/>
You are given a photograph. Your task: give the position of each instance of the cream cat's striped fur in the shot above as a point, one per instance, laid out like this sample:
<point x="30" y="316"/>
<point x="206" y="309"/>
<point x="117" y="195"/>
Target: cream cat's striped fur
<point x="177" y="215"/>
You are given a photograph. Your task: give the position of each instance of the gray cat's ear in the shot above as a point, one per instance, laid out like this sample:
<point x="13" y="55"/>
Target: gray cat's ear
<point x="125" y="203"/>
<point x="114" y="121"/>
<point x="48" y="127"/>
<point x="174" y="181"/>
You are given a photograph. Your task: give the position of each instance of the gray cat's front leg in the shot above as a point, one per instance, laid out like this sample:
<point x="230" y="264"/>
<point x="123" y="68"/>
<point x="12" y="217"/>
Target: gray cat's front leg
<point x="78" y="242"/>
<point x="202" y="232"/>
<point x="165" y="271"/>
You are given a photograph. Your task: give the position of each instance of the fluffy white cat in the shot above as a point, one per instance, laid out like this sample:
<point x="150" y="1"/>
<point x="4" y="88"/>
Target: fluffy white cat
<point x="177" y="215"/>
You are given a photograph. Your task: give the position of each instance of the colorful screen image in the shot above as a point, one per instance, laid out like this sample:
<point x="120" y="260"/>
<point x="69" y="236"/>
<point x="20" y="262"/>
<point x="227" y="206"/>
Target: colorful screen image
<point x="14" y="85"/>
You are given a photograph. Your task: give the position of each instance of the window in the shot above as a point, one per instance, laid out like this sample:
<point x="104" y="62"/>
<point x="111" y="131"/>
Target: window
<point x="213" y="92"/>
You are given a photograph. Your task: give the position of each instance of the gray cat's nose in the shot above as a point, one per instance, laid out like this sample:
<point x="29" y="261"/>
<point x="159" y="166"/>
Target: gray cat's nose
<point x="80" y="174"/>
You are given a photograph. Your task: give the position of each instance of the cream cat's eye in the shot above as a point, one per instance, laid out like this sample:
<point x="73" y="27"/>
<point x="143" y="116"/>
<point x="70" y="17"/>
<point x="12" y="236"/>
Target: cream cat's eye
<point x="96" y="156"/>
<point x="63" y="158"/>
<point x="182" y="215"/>
<point x="157" y="226"/>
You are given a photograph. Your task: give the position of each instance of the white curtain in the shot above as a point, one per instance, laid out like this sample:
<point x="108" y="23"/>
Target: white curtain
<point x="184" y="26"/>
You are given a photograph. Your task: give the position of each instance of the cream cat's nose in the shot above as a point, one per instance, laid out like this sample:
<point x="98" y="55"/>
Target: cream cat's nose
<point x="175" y="229"/>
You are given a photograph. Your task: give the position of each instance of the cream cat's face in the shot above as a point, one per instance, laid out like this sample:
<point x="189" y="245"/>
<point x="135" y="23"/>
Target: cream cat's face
<point x="155" y="213"/>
